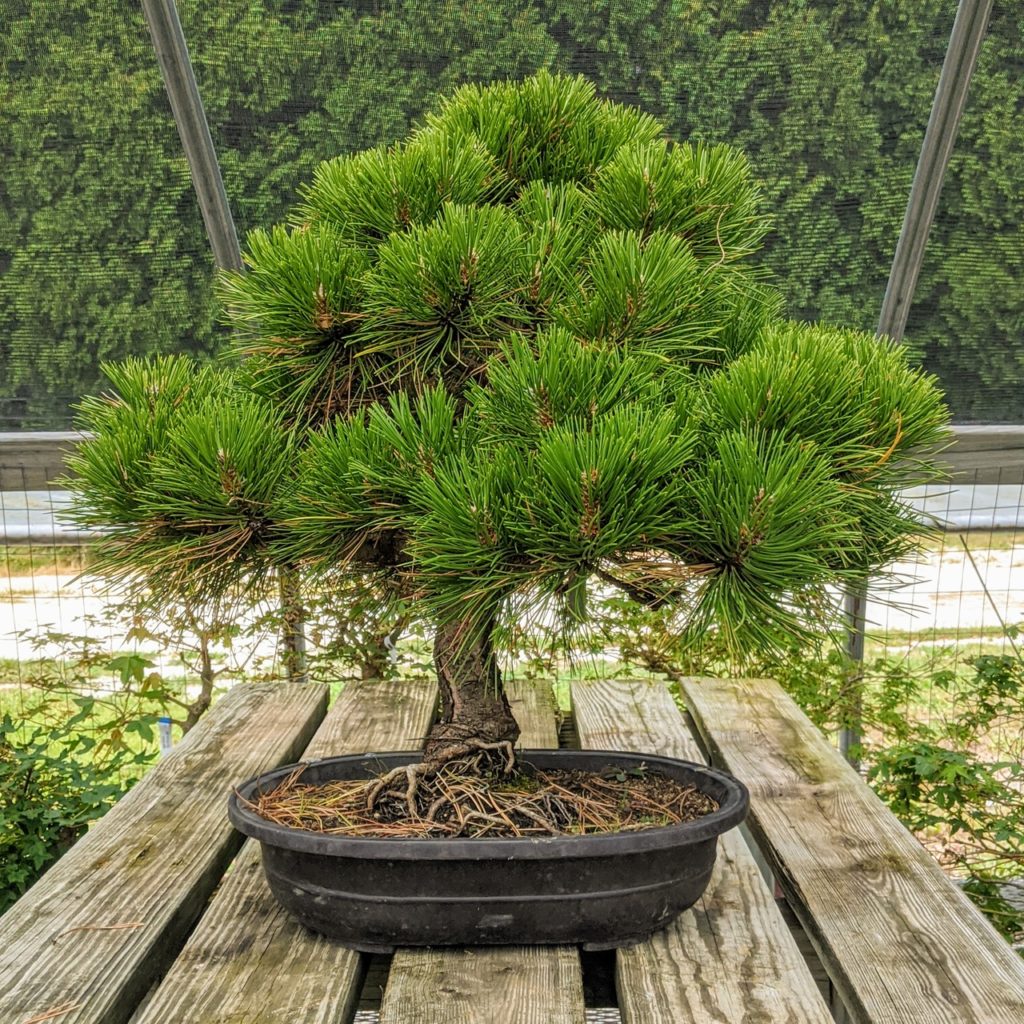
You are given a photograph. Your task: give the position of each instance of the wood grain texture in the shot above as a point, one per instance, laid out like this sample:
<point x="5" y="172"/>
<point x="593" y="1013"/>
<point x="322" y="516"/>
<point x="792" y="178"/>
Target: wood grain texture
<point x="730" y="959"/>
<point x="108" y="918"/>
<point x="503" y="985"/>
<point x="902" y="944"/>
<point x="377" y="716"/>
<point x="510" y="985"/>
<point x="249" y="961"/>
<point x="533" y="705"/>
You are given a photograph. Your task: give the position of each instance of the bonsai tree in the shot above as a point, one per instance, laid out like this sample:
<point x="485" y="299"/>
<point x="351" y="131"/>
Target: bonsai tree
<point x="522" y="351"/>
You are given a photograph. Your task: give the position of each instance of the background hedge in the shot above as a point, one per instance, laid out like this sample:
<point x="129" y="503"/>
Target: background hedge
<point x="102" y="250"/>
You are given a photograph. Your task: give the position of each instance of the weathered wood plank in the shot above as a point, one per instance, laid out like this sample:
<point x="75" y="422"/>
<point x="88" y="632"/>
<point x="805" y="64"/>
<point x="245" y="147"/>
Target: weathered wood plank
<point x="901" y="943"/>
<point x="108" y="918"/>
<point x="533" y="705"/>
<point x="32" y="460"/>
<point x="500" y="985"/>
<point x="248" y="960"/>
<point x="521" y="984"/>
<point x="731" y="958"/>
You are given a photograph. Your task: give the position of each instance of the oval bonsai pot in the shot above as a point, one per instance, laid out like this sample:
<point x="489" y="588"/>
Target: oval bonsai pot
<point x="599" y="891"/>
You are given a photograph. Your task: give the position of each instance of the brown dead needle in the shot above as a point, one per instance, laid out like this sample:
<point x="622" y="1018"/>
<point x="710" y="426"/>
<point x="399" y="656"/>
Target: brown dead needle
<point x="461" y="801"/>
<point x="56" y="1011"/>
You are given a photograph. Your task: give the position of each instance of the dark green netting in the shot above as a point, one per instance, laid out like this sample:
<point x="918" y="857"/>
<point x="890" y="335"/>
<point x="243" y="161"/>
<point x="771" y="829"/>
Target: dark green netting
<point x="102" y="250"/>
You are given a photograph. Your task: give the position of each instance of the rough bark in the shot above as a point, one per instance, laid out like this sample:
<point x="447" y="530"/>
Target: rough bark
<point x="293" y="635"/>
<point x="475" y="712"/>
<point x="207" y="678"/>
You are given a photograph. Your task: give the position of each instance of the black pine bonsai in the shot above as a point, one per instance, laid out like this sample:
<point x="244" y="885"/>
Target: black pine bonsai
<point x="520" y="351"/>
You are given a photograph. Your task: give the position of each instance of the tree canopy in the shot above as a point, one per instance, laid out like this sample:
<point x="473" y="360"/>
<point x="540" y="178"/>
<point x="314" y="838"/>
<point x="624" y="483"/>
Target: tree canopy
<point x="524" y="348"/>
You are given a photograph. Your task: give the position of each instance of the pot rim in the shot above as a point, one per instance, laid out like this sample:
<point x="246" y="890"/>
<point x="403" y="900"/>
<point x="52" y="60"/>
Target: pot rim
<point x="732" y="810"/>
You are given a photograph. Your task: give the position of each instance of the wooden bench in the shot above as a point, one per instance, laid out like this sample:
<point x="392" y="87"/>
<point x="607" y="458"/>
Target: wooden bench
<point x="898" y="940"/>
<point x="89" y="939"/>
<point x="104" y="937"/>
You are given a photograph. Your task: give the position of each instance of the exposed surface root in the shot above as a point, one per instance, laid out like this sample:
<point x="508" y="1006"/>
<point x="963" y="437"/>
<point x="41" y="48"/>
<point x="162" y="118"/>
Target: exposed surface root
<point x="482" y="796"/>
<point x="413" y="773"/>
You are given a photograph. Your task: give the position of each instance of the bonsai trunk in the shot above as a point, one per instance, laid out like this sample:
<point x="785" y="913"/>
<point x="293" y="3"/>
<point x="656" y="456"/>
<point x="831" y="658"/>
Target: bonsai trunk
<point x="475" y="714"/>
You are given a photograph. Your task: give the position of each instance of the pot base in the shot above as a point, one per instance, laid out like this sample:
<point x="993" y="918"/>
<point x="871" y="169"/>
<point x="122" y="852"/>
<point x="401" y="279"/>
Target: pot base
<point x="599" y="891"/>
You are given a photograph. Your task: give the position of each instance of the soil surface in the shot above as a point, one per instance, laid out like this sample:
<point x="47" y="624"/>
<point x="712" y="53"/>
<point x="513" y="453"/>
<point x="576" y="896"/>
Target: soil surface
<point x="460" y="803"/>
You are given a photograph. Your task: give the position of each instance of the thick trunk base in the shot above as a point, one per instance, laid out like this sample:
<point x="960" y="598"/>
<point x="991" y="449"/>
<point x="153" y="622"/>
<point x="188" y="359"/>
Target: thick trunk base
<point x="475" y="713"/>
<point x="476" y="726"/>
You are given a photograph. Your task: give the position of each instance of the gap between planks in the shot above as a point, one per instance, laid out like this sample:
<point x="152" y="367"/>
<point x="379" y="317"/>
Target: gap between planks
<point x="105" y="921"/>
<point x="900" y="941"/>
<point x="248" y="960"/>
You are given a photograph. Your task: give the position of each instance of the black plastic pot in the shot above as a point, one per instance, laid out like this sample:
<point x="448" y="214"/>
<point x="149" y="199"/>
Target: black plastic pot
<point x="599" y="891"/>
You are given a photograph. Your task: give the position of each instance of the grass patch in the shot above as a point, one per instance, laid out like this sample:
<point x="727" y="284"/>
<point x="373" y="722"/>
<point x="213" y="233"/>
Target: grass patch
<point x="881" y="642"/>
<point x="977" y="540"/>
<point x="40" y="560"/>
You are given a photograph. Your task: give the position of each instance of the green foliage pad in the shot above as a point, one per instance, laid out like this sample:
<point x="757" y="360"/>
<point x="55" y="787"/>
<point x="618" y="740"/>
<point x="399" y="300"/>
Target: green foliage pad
<point x="524" y="349"/>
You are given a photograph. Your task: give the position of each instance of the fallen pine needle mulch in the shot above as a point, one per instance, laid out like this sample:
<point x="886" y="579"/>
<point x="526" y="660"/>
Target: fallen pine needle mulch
<point x="459" y="803"/>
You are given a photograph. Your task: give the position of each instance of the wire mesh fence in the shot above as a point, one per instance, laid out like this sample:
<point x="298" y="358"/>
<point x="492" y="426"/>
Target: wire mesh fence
<point x="70" y="644"/>
<point x="829" y="101"/>
<point x="961" y="597"/>
<point x="965" y="591"/>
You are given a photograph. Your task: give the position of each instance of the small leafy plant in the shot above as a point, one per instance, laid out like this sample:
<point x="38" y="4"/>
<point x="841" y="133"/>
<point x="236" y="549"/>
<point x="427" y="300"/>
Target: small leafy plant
<point x="943" y="747"/>
<point x="959" y="778"/>
<point x="53" y="782"/>
<point x="84" y="729"/>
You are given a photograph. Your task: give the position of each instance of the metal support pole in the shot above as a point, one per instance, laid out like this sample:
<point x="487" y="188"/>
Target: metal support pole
<point x="939" y="138"/>
<point x="850" y="734"/>
<point x="965" y="41"/>
<point x="189" y="116"/>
